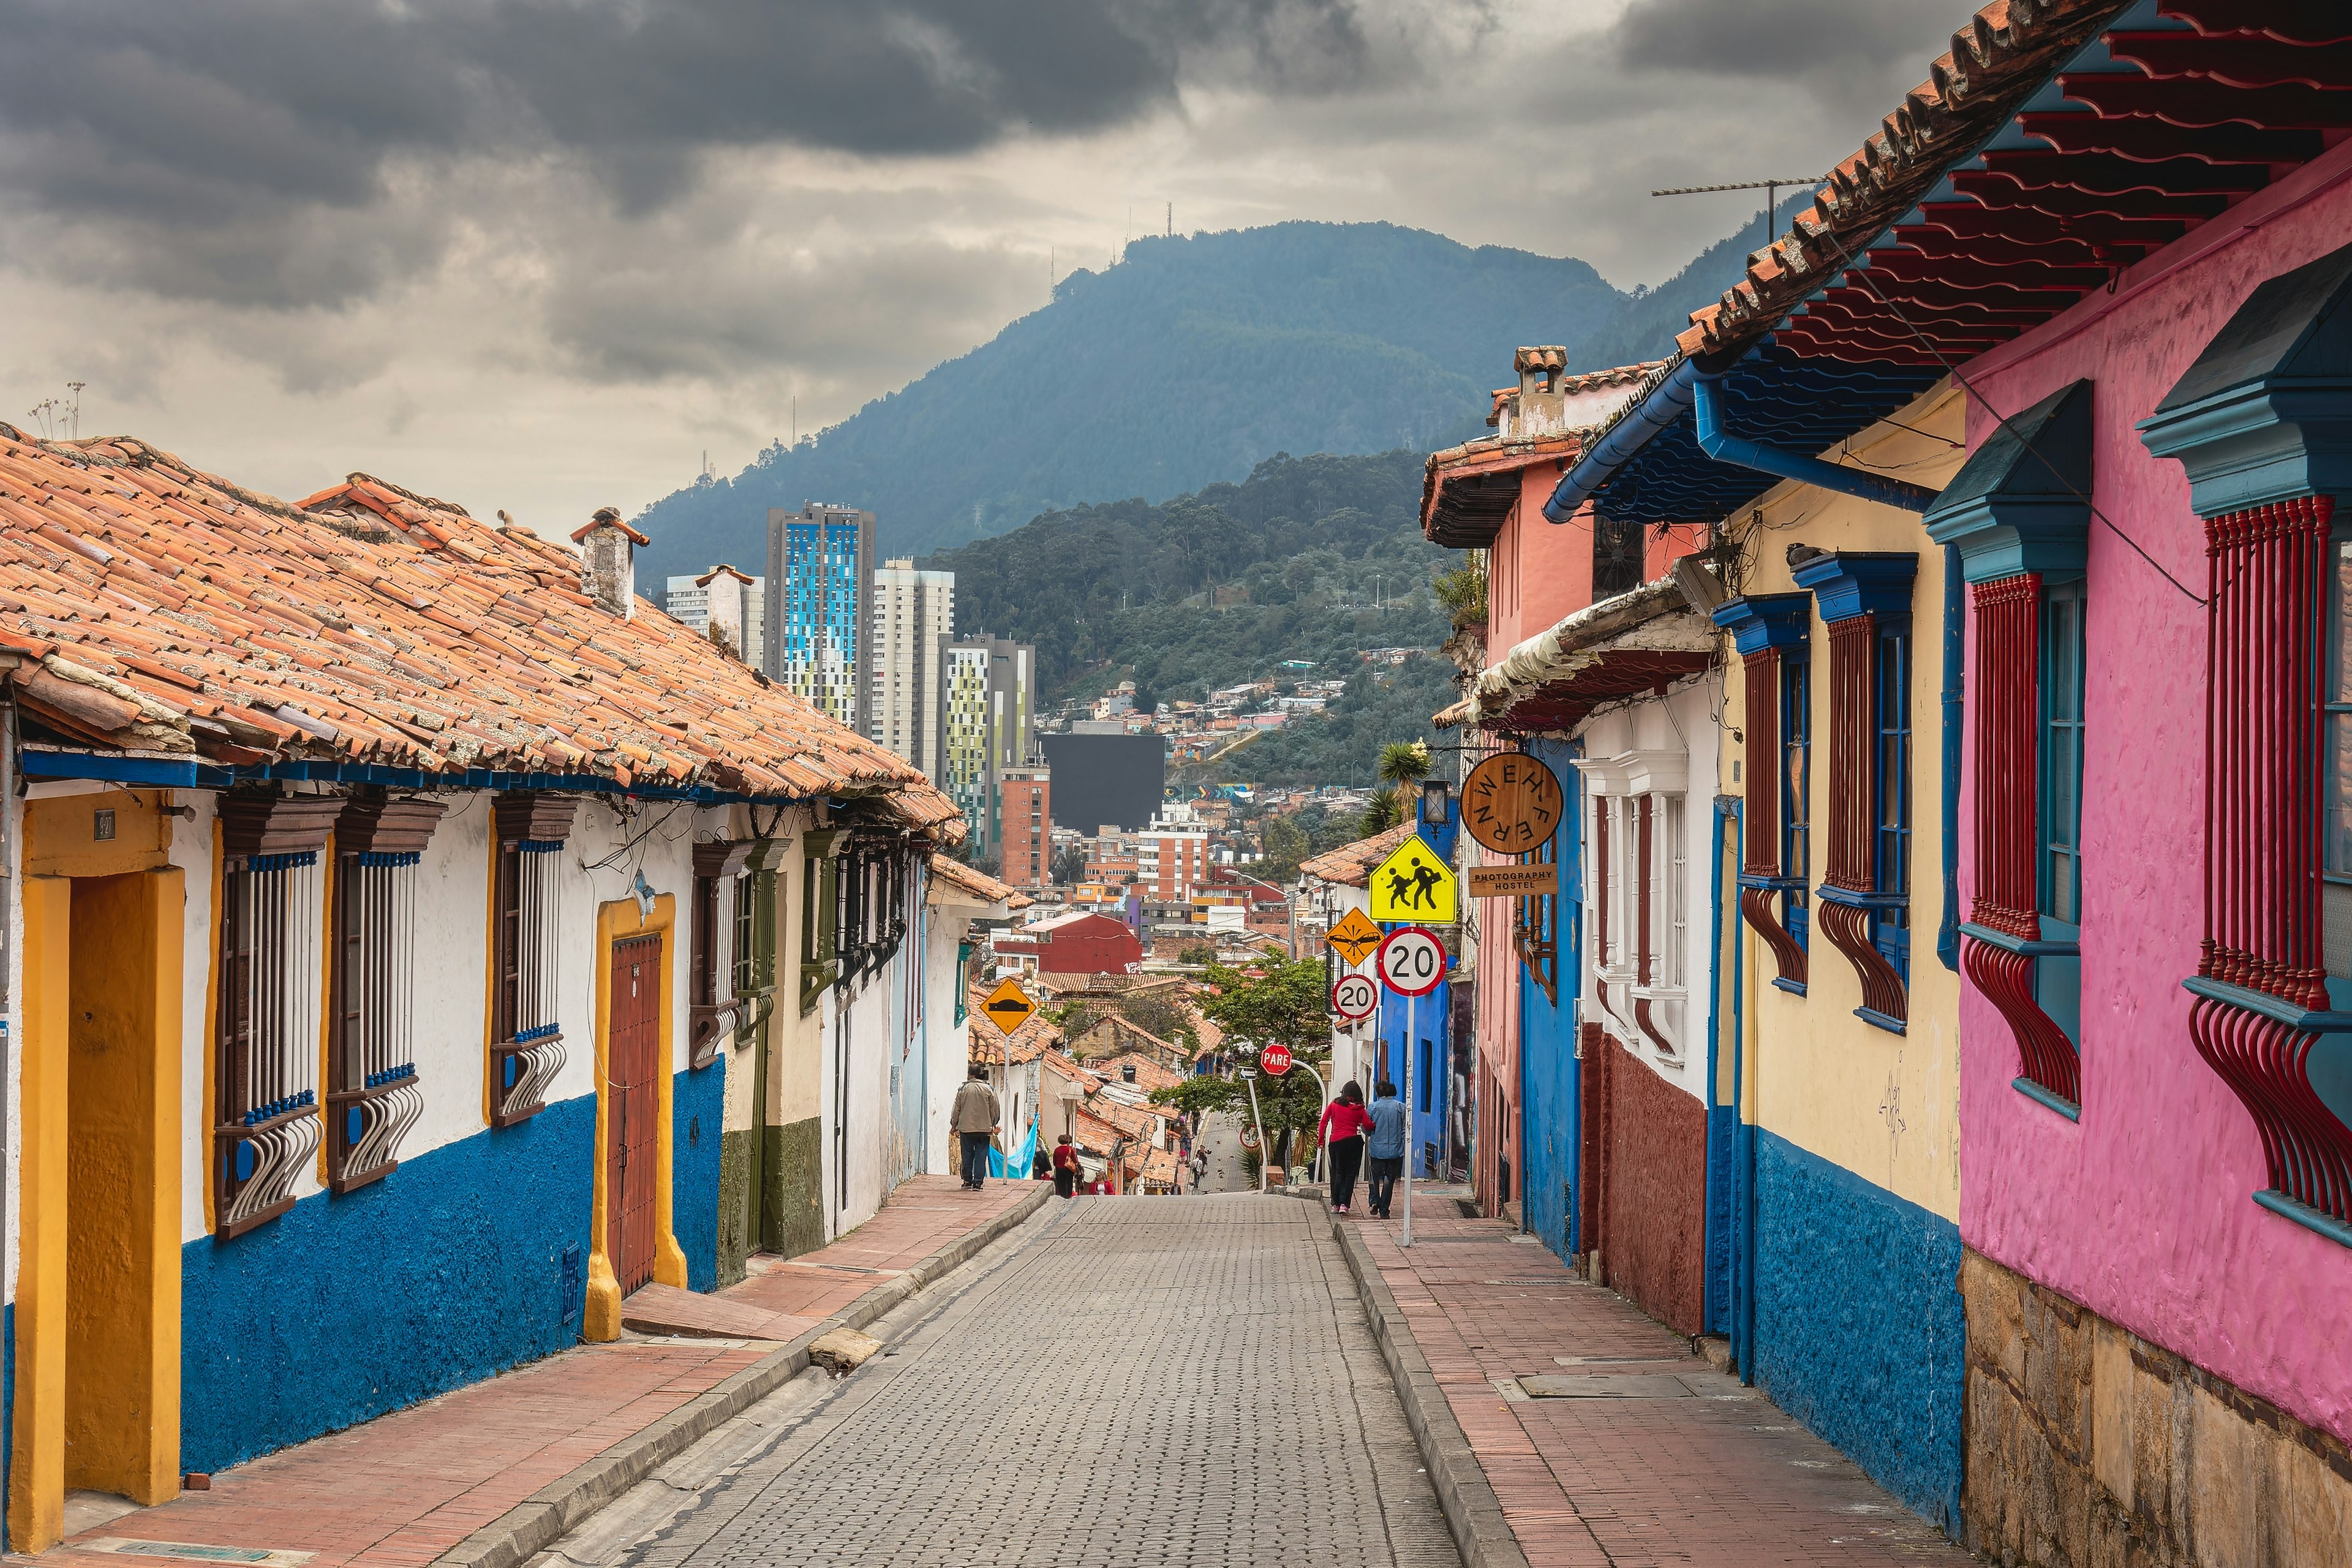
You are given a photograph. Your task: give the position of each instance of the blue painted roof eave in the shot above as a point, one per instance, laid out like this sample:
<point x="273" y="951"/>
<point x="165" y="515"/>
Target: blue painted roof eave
<point x="193" y="773"/>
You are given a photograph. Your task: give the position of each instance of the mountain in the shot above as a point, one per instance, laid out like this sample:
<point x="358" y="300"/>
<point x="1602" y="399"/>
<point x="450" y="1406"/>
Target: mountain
<point x="1643" y="327"/>
<point x="1187" y="364"/>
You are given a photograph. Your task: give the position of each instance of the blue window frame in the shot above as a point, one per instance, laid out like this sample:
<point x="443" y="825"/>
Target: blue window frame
<point x="1890" y="928"/>
<point x="2058" y="977"/>
<point x="1796" y="788"/>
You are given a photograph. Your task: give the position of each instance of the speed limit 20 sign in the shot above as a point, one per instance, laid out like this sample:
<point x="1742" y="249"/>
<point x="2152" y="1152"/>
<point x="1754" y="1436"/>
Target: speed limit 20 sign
<point x="1412" y="962"/>
<point x="1354" y="998"/>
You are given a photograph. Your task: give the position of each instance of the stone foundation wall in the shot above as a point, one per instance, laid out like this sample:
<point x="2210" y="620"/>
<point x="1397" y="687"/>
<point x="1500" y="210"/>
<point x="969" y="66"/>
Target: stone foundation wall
<point x="2090" y="1448"/>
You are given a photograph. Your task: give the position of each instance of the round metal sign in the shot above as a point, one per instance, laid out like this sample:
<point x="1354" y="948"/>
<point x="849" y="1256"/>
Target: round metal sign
<point x="1274" y="1059"/>
<point x="1412" y="962"/>
<point x="1355" y="997"/>
<point x="1510" y="802"/>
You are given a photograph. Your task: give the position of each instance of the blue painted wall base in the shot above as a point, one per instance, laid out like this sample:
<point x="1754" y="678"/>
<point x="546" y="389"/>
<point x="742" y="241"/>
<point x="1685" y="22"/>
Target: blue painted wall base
<point x="448" y="1270"/>
<point x="1859" y="1329"/>
<point x="698" y="1108"/>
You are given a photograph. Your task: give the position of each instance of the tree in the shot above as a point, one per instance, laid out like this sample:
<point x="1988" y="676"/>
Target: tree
<point x="1283" y="1005"/>
<point x="1285" y="844"/>
<point x="1070" y="865"/>
<point x="1382" y="812"/>
<point x="1404" y="763"/>
<point x="1198" y="953"/>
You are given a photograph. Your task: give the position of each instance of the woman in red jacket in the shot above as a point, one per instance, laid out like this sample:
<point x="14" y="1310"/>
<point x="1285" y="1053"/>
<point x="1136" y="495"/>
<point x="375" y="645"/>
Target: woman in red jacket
<point x="1342" y="1136"/>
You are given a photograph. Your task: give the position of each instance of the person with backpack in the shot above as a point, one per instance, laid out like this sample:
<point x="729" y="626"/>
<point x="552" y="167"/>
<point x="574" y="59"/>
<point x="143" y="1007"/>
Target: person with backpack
<point x="1199" y="1169"/>
<point x="1065" y="1168"/>
<point x="1342" y="1136"/>
<point x="975" y="1119"/>
<point x="1385" y="1144"/>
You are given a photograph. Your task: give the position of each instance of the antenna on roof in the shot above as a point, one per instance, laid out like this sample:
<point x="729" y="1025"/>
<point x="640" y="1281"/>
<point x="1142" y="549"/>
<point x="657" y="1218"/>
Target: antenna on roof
<point x="1771" y="189"/>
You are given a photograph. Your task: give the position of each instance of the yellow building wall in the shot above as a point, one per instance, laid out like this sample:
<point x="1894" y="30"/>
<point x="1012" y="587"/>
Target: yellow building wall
<point x="1882" y="1105"/>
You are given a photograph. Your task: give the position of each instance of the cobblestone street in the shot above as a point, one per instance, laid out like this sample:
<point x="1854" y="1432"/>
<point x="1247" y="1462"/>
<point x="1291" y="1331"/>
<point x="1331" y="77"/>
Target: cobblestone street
<point x="1136" y="1382"/>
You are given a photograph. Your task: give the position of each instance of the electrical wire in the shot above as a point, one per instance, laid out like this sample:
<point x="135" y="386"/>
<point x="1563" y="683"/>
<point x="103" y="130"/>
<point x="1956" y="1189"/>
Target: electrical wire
<point x="1845" y="258"/>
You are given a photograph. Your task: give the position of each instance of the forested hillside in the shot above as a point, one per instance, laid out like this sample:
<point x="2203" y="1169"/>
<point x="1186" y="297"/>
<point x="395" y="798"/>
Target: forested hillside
<point x="1303" y="549"/>
<point x="1643" y="327"/>
<point x="1316" y="559"/>
<point x="1186" y="364"/>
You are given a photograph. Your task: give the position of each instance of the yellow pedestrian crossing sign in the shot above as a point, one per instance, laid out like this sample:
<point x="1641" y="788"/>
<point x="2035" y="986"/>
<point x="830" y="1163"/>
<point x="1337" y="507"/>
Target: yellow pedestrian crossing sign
<point x="1412" y="884"/>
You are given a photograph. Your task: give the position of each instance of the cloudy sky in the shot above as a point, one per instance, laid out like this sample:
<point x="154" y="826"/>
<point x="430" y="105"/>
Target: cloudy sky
<point x="544" y="254"/>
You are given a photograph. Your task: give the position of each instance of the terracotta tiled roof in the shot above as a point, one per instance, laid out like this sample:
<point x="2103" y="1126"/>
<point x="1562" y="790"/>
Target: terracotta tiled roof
<point x="964" y="878"/>
<point x="708" y="577"/>
<point x="1352" y="864"/>
<point x="1999" y="59"/>
<point x="164" y="611"/>
<point x="1149" y="1074"/>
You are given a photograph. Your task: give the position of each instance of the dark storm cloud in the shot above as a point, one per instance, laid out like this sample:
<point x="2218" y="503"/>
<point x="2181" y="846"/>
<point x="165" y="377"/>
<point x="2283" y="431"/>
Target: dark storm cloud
<point x="258" y="121"/>
<point x="1785" y="38"/>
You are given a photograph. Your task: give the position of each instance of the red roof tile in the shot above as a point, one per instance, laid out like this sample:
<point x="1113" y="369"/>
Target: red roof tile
<point x="174" y="612"/>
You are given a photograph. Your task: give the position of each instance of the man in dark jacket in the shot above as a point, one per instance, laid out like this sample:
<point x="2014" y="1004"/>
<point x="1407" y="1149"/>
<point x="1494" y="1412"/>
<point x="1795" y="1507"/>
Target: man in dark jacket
<point x="1384" y="1146"/>
<point x="975" y="1118"/>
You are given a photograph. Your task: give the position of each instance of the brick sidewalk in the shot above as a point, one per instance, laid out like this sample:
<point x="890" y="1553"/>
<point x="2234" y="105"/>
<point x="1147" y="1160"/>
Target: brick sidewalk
<point x="399" y="1490"/>
<point x="1682" y="1467"/>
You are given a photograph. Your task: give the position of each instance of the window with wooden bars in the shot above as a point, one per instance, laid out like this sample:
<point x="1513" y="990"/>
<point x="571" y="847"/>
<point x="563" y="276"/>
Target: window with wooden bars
<point x="1865" y="599"/>
<point x="2256" y="424"/>
<point x="714" y="1009"/>
<point x="265" y="1125"/>
<point x="529" y="830"/>
<point x="2017" y="516"/>
<point x="1772" y="632"/>
<point x="820" y="911"/>
<point x="373" y="1096"/>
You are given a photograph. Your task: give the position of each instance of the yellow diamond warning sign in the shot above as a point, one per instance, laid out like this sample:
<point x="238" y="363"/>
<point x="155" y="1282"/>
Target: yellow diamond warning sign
<point x="1008" y="1007"/>
<point x="1354" y="937"/>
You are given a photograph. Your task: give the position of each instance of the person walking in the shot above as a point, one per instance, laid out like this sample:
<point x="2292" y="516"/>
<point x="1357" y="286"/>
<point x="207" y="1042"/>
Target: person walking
<point x="1342" y="1136"/>
<point x="1041" y="1166"/>
<point x="1065" y="1168"/>
<point x="975" y="1118"/>
<point x="1385" y="1144"/>
<point x="1199" y="1169"/>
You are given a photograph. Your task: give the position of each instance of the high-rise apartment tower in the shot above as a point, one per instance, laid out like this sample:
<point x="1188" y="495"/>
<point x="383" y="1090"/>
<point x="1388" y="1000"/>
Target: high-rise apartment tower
<point x="988" y="691"/>
<point x="820" y="599"/>
<point x="913" y="612"/>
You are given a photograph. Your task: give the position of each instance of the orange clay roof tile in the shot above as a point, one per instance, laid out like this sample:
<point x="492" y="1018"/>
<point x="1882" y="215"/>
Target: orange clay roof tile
<point x="404" y="624"/>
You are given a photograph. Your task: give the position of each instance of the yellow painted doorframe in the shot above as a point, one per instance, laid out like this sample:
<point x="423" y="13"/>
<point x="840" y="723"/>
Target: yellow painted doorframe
<point x="140" y="1457"/>
<point x="618" y="922"/>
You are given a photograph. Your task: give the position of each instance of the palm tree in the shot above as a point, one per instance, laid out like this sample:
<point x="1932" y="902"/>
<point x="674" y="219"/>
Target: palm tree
<point x="1384" y="811"/>
<point x="1404" y="763"/>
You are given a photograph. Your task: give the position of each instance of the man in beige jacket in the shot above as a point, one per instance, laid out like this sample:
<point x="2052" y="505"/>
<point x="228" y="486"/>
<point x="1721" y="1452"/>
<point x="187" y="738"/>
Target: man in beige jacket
<point x="975" y="1118"/>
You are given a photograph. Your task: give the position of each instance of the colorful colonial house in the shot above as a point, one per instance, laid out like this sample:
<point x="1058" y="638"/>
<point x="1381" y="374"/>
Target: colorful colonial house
<point x="2070" y="322"/>
<point x="397" y="908"/>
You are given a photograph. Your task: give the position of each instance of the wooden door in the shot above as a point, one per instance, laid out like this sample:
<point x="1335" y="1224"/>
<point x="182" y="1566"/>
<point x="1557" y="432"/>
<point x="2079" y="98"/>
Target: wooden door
<point x="635" y="1059"/>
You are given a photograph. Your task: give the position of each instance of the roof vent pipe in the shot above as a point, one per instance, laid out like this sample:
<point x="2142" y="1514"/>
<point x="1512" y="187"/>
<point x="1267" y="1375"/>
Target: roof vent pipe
<point x="1725" y="447"/>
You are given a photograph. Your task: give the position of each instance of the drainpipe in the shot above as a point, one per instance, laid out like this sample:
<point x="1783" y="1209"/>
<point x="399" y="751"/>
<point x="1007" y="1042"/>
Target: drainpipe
<point x="1947" y="937"/>
<point x="1662" y="409"/>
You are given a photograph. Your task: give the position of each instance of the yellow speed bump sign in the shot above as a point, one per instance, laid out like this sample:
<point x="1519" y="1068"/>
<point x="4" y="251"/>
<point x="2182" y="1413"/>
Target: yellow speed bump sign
<point x="1008" y="1007"/>
<point x="1354" y="937"/>
<point x="1413" y="885"/>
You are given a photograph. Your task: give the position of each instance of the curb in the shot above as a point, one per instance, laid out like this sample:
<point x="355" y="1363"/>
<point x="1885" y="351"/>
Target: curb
<point x="1472" y="1514"/>
<point x="562" y="1505"/>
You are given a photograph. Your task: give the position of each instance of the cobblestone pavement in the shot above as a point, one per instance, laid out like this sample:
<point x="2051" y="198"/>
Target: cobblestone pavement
<point x="1221" y="1140"/>
<point x="1142" y="1381"/>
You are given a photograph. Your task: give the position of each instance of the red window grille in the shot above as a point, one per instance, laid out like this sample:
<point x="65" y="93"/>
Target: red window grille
<point x="1762" y="881"/>
<point x="2004" y="935"/>
<point x="1853" y="818"/>
<point x="2261" y="1003"/>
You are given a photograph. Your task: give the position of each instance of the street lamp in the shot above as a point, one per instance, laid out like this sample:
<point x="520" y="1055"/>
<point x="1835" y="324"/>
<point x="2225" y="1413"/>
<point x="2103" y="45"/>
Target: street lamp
<point x="1433" y="801"/>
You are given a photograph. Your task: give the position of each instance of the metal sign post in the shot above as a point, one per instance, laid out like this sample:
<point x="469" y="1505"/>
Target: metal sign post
<point x="1411" y="963"/>
<point x="1249" y="1077"/>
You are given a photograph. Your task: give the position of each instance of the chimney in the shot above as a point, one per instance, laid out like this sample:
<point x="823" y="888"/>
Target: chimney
<point x="608" y="568"/>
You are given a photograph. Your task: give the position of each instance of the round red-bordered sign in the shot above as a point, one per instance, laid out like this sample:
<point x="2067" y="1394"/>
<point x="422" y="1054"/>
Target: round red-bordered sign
<point x="1274" y="1059"/>
<point x="1355" y="997"/>
<point x="1411" y="961"/>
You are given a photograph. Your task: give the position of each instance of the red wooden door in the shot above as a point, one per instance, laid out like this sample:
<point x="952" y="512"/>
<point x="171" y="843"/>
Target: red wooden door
<point x="635" y="1060"/>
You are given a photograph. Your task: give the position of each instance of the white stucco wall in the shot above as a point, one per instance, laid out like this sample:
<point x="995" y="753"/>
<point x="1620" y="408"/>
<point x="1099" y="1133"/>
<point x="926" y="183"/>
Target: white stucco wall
<point x="1650" y="740"/>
